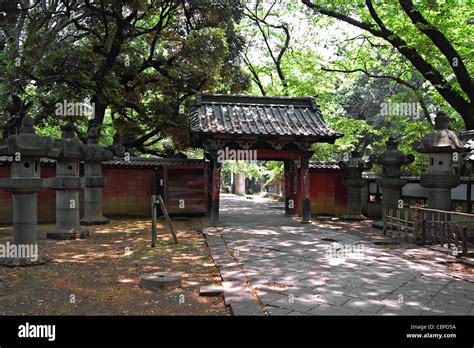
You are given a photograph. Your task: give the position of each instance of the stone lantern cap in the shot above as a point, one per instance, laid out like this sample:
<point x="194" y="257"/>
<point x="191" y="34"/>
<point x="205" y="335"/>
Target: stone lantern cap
<point x="392" y="160"/>
<point x="72" y="146"/>
<point x="442" y="140"/>
<point x="117" y="148"/>
<point x="356" y="164"/>
<point x="93" y="152"/>
<point x="392" y="156"/>
<point x="28" y="144"/>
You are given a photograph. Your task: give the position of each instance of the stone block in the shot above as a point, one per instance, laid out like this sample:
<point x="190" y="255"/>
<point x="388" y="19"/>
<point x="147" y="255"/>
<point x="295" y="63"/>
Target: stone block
<point x="211" y="290"/>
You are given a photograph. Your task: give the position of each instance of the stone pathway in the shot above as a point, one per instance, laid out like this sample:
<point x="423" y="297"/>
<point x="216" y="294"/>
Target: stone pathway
<point x="274" y="265"/>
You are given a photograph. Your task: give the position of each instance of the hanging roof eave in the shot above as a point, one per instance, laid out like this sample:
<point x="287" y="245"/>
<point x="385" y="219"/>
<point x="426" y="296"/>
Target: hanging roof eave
<point x="233" y="117"/>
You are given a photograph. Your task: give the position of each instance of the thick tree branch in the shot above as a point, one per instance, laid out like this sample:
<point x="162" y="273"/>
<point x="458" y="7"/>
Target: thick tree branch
<point x="443" y="44"/>
<point x="455" y="99"/>
<point x="277" y="59"/>
<point x="399" y="80"/>
<point x="254" y="73"/>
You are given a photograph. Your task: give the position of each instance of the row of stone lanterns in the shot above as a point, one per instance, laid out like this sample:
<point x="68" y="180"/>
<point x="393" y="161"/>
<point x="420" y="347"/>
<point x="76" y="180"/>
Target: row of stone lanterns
<point x="27" y="148"/>
<point x="68" y="184"/>
<point x="439" y="180"/>
<point x="391" y="161"/>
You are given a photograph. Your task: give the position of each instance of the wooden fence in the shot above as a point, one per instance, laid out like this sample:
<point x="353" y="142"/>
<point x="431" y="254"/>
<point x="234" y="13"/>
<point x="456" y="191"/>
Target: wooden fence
<point x="430" y="226"/>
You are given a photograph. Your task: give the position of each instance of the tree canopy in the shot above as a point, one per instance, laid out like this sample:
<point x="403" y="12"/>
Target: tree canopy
<point x="376" y="68"/>
<point x="136" y="63"/>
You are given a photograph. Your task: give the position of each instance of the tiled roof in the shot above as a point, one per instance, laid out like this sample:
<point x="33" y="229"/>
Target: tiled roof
<point x="251" y="115"/>
<point x="152" y="162"/>
<point x="9" y="159"/>
<point x="324" y="165"/>
<point x="469" y="147"/>
<point x="134" y="161"/>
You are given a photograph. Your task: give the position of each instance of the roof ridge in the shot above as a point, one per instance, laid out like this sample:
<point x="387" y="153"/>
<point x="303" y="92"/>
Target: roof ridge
<point x="247" y="115"/>
<point x="204" y="98"/>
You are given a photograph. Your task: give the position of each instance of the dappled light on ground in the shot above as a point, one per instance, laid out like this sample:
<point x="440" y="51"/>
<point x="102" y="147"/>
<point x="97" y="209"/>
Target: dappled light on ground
<point x="101" y="274"/>
<point x="334" y="267"/>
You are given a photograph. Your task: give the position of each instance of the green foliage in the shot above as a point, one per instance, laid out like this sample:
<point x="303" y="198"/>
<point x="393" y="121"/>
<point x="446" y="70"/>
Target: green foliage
<point x="267" y="170"/>
<point x="275" y="170"/>
<point x="135" y="62"/>
<point x="194" y="153"/>
<point x="139" y="64"/>
<point x="351" y="102"/>
<point x="249" y="168"/>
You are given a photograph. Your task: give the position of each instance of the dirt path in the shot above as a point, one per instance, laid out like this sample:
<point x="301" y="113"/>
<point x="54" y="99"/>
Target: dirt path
<point x="100" y="275"/>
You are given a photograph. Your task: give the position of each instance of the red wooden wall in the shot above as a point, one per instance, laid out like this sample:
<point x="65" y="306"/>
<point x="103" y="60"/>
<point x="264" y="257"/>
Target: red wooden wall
<point x="327" y="190"/>
<point x="46" y="199"/>
<point x="328" y="193"/>
<point x="129" y="189"/>
<point x="186" y="189"/>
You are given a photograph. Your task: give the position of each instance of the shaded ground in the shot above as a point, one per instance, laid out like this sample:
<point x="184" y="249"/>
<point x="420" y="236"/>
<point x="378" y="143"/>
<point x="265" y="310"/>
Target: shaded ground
<point x="332" y="268"/>
<point x="100" y="275"/>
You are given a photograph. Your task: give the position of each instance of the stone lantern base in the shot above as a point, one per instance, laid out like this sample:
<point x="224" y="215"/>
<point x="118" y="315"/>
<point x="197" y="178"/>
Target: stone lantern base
<point x="358" y="217"/>
<point x="94" y="221"/>
<point x="439" y="189"/>
<point x="391" y="189"/>
<point x="93" y="201"/>
<point x="354" y="186"/>
<point x="67" y="216"/>
<point x="23" y="262"/>
<point x="68" y="234"/>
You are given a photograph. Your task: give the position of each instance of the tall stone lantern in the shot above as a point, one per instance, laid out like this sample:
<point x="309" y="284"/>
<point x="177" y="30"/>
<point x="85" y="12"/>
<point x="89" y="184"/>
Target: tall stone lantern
<point x="118" y="149"/>
<point x="67" y="184"/>
<point x="26" y="149"/>
<point x="391" y="183"/>
<point x="440" y="179"/>
<point x="94" y="182"/>
<point x="355" y="166"/>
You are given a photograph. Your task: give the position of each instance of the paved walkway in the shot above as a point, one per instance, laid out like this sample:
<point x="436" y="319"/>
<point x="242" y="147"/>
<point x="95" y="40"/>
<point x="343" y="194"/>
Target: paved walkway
<point x="274" y="265"/>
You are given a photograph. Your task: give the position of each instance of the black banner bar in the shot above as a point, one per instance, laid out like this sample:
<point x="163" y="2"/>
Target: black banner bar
<point x="136" y="331"/>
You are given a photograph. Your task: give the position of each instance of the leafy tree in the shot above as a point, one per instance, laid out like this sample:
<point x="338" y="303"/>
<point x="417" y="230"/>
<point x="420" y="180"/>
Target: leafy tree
<point x="415" y="31"/>
<point x="275" y="39"/>
<point x="137" y="62"/>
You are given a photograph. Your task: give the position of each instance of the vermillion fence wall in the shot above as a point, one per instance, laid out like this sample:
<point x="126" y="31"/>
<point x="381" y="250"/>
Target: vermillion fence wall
<point x="183" y="183"/>
<point x="328" y="192"/>
<point x="129" y="188"/>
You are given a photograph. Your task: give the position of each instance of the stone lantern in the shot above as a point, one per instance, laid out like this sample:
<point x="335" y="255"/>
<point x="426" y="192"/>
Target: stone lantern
<point x="466" y="161"/>
<point x="391" y="183"/>
<point x="26" y="148"/>
<point x="117" y="148"/>
<point x="67" y="184"/>
<point x="354" y="183"/>
<point x="440" y="179"/>
<point x="94" y="182"/>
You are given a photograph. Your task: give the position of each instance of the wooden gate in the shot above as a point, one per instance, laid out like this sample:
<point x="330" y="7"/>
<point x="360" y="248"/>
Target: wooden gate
<point x="185" y="189"/>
